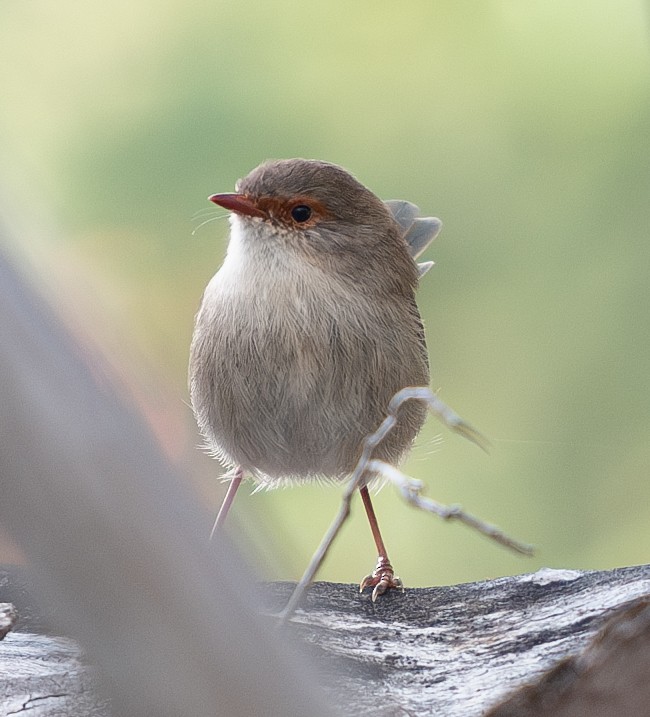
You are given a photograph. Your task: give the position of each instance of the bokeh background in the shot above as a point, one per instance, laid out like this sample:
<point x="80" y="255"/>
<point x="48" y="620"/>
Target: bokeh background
<point x="524" y="125"/>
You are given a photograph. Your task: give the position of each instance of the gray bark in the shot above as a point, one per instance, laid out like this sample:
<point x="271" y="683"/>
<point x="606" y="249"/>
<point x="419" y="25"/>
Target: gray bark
<point x="557" y="642"/>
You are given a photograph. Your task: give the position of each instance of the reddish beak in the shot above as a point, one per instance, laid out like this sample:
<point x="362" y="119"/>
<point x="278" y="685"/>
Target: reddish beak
<point x="239" y="203"/>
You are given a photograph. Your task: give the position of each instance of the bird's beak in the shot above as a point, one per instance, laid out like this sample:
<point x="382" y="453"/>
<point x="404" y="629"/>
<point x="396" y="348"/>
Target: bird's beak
<point x="239" y="203"/>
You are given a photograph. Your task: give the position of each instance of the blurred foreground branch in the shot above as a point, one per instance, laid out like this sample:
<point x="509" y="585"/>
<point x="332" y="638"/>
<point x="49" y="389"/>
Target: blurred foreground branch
<point x="117" y="542"/>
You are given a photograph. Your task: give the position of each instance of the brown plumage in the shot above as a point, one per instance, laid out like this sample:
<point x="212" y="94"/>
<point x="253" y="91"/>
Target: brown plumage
<point x="309" y="328"/>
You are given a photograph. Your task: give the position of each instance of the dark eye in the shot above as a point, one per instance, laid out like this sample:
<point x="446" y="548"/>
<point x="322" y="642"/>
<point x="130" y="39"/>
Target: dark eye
<point x="301" y="213"/>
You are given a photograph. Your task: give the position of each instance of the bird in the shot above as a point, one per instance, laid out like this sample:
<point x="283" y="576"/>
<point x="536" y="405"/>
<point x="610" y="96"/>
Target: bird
<point x="308" y="329"/>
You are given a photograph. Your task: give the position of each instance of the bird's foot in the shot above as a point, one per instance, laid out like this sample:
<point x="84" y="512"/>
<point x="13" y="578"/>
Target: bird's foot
<point x="381" y="579"/>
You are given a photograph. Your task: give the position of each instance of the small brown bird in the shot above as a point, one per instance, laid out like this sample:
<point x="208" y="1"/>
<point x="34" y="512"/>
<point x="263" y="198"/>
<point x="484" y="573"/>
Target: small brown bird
<point x="309" y="329"/>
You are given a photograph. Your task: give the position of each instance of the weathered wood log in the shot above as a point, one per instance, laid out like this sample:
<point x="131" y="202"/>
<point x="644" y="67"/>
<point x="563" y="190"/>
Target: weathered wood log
<point x="459" y="650"/>
<point x="450" y="651"/>
<point x="8" y="617"/>
<point x="609" y="678"/>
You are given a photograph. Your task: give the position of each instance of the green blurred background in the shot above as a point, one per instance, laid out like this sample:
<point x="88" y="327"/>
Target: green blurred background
<point x="525" y="126"/>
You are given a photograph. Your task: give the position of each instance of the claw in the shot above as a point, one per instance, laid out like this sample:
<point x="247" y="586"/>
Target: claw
<point x="382" y="578"/>
<point x="365" y="583"/>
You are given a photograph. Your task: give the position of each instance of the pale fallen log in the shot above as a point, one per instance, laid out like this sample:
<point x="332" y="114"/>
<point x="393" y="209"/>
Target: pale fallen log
<point x="448" y="651"/>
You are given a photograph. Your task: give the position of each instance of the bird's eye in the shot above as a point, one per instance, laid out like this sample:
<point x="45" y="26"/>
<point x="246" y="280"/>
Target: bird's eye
<point x="301" y="213"/>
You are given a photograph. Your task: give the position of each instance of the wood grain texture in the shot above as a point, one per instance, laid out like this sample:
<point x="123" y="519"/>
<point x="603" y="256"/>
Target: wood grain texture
<point x="521" y="646"/>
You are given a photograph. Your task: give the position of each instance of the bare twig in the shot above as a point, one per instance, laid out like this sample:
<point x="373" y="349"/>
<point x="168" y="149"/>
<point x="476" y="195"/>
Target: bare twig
<point x="411" y="490"/>
<point x="409" y="487"/>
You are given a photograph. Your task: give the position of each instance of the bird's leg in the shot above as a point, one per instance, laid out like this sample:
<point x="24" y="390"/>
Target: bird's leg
<point x="234" y="484"/>
<point x="383" y="576"/>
